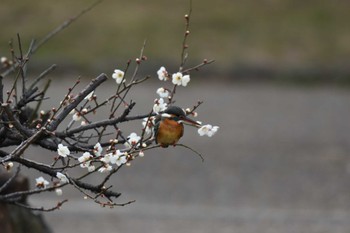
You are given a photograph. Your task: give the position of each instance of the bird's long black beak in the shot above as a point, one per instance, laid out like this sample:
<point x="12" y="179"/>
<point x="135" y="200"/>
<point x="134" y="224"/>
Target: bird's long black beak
<point x="185" y="119"/>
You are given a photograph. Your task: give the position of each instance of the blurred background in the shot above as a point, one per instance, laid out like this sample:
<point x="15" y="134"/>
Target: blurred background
<point x="278" y="90"/>
<point x="267" y="39"/>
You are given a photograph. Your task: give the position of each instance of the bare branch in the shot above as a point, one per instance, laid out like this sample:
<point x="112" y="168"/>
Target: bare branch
<point x="25" y="132"/>
<point x="64" y="25"/>
<point x="58" y="206"/>
<point x="95" y="125"/>
<point x="187" y="147"/>
<point x="92" y="86"/>
<point x="8" y="182"/>
<point x="42" y="75"/>
<point x="184" y="54"/>
<point x="104" y="154"/>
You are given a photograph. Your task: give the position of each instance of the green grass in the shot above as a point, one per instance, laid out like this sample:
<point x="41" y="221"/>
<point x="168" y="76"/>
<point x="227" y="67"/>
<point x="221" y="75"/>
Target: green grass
<point x="270" y="32"/>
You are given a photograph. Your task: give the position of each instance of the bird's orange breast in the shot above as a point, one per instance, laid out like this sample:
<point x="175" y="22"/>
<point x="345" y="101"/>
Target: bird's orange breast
<point x="169" y="132"/>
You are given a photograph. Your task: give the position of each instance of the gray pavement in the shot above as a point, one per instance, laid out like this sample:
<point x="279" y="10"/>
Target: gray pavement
<point x="280" y="163"/>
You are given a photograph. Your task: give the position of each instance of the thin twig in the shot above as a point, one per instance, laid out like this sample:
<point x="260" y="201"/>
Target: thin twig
<point x="184" y="55"/>
<point x="8" y="182"/>
<point x="25" y="144"/>
<point x="94" y="125"/>
<point x="37" y="107"/>
<point x="196" y="152"/>
<point x="53" y="33"/>
<point x="42" y="75"/>
<point x="61" y="116"/>
<point x="64" y="25"/>
<point x="23" y="131"/>
<point x="58" y="206"/>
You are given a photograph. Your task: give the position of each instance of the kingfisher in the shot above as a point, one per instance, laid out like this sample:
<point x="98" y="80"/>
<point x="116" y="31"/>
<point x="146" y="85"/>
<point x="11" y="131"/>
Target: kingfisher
<point x="168" y="128"/>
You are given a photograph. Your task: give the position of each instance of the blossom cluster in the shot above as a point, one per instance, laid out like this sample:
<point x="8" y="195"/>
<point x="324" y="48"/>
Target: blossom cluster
<point x="82" y="145"/>
<point x="95" y="160"/>
<point x="87" y="160"/>
<point x="105" y="161"/>
<point x="178" y="79"/>
<point x="42" y="183"/>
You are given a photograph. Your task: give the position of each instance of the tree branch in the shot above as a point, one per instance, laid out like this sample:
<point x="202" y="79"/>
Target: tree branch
<point x="92" y="86"/>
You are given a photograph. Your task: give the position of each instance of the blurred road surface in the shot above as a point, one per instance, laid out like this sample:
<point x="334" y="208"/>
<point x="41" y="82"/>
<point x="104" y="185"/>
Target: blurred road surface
<point x="280" y="163"/>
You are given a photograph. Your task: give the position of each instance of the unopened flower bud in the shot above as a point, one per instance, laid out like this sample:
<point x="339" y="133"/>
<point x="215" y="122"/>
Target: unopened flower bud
<point x="4" y="60"/>
<point x="9" y="166"/>
<point x="58" y="192"/>
<point x="141" y="154"/>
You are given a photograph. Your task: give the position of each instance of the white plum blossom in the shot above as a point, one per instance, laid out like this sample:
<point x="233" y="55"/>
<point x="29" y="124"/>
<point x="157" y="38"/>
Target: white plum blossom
<point x="159" y="105"/>
<point x="133" y="140"/>
<point x="118" y="158"/>
<point x="118" y="75"/>
<point x="114" y="156"/>
<point x="105" y="168"/>
<point x="58" y="192"/>
<point x="62" y="150"/>
<point x="150" y="124"/>
<point x="98" y="149"/>
<point x="106" y="159"/>
<point x="162" y="74"/>
<point x="41" y="182"/>
<point x="162" y="92"/>
<point x="208" y="130"/>
<point x="85" y="160"/>
<point x="121" y="160"/>
<point x="91" y="168"/>
<point x="76" y="116"/>
<point x="180" y="80"/>
<point x="185" y="79"/>
<point x="141" y="153"/>
<point x="63" y="178"/>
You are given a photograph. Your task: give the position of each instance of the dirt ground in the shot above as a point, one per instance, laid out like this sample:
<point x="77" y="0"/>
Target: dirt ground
<point x="280" y="163"/>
